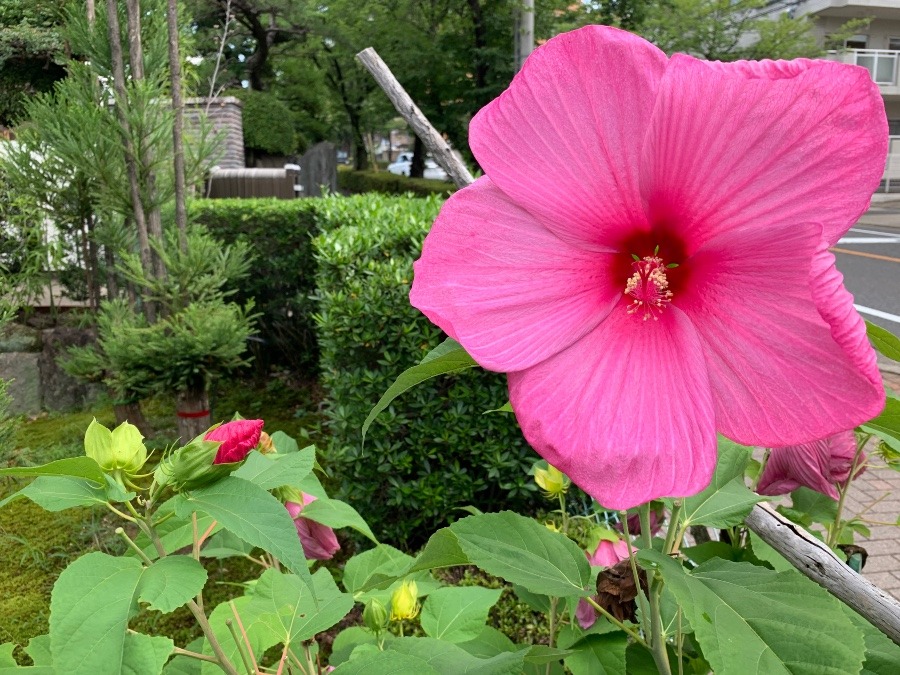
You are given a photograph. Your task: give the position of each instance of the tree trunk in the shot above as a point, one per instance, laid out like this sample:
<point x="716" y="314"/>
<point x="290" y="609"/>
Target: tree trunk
<point x="131" y="412"/>
<point x="178" y="126"/>
<point x="192" y="408"/>
<point x="417" y="166"/>
<point x="140" y="220"/>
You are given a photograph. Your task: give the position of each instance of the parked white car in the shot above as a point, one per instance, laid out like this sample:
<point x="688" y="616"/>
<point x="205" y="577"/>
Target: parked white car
<point x="400" y="166"/>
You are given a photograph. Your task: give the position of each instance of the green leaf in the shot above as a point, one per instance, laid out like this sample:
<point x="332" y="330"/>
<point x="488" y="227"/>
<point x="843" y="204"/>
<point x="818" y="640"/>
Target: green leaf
<point x="505" y="408"/>
<point x="185" y="665"/>
<point x="882" y="655"/>
<point x="447" y="357"/>
<point x="76" y="467"/>
<point x="336" y="514"/>
<point x="441" y="550"/>
<point x="887" y="424"/>
<point x="258" y="634"/>
<point x="286" y="607"/>
<point x="349" y="639"/>
<point x="6" y="655"/>
<point x="283" y="443"/>
<point x="524" y="552"/>
<point x="274" y="471"/>
<point x="39" y="650"/>
<point x="253" y="515"/>
<point x="749" y="619"/>
<point x="598" y="655"/>
<point x="145" y="654"/>
<point x="57" y="493"/>
<point x="766" y="553"/>
<point x="449" y="659"/>
<point x="884" y="341"/>
<point x="727" y="499"/>
<point x="175" y="533"/>
<point x="457" y="614"/>
<point x="386" y="662"/>
<point x="224" y="544"/>
<point x="379" y="565"/>
<point x="171" y="582"/>
<point x="542" y="654"/>
<point x="489" y="642"/>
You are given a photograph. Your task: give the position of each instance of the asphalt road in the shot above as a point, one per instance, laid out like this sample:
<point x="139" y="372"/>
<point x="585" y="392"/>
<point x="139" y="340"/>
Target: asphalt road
<point x="869" y="257"/>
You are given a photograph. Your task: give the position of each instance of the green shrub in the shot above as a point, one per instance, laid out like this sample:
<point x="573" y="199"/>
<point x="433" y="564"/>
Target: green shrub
<point x="268" y="123"/>
<point x="433" y="450"/>
<point x="282" y="276"/>
<point x="357" y="182"/>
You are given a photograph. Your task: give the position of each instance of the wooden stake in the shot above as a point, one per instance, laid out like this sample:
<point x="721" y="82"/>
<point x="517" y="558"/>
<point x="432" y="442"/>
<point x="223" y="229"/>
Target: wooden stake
<point x="435" y="143"/>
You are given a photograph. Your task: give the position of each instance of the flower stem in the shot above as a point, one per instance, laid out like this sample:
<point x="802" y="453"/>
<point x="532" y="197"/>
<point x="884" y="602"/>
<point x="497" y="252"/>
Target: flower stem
<point x="134" y="547"/>
<point x="637" y="580"/>
<point x="178" y="651"/>
<point x="834" y="532"/>
<point x="658" y="637"/>
<point x="240" y="647"/>
<point x="672" y="544"/>
<point x="565" y="515"/>
<point x="553" y="604"/>
<point x="618" y="624"/>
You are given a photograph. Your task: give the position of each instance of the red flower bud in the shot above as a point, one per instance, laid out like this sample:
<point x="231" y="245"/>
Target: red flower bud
<point x="237" y="438"/>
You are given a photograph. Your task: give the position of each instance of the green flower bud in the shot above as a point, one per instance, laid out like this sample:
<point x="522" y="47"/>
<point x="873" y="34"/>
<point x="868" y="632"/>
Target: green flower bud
<point x="404" y="601"/>
<point x="121" y="449"/>
<point x="375" y="616"/>
<point x="192" y="466"/>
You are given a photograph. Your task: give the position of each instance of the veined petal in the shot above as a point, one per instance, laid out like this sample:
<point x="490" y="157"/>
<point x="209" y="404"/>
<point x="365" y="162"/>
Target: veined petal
<point x="564" y="140"/>
<point x="781" y="372"/>
<point x="509" y="290"/>
<point x="626" y="412"/>
<point x="790" y="467"/>
<point x="746" y="144"/>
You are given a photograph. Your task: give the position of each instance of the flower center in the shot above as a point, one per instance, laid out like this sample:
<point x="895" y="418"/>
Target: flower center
<point x="648" y="288"/>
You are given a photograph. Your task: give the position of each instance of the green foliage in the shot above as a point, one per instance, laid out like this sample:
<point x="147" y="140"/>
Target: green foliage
<point x="282" y="277"/>
<point x="268" y="125"/>
<point x="432" y="450"/>
<point x="356" y="182"/>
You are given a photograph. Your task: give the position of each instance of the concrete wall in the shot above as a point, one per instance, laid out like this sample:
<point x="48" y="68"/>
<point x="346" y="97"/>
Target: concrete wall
<point x="879" y="31"/>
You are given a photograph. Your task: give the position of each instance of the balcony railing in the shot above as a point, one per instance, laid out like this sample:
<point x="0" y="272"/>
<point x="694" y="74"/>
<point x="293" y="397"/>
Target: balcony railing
<point x="881" y="63"/>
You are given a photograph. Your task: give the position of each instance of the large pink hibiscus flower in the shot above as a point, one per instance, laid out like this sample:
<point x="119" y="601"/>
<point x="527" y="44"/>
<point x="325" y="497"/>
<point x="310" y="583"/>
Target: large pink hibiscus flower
<point x="647" y="257"/>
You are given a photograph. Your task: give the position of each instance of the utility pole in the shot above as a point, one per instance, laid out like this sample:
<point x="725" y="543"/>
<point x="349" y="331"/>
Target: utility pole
<point x="524" y="32"/>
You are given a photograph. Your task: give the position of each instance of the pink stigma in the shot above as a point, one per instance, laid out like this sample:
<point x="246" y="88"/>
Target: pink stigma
<point x="648" y="288"/>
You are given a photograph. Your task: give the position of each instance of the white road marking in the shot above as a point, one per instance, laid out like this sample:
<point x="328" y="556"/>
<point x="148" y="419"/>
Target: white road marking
<point x="878" y="313"/>
<point x="859" y="229"/>
<point x="869" y="240"/>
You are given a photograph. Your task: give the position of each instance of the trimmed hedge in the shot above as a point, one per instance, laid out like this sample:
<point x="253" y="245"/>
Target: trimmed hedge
<point x="433" y="450"/>
<point x="282" y="278"/>
<point x="358" y="182"/>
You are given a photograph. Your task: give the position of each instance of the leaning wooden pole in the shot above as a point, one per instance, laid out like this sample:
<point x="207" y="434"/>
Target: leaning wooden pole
<point x="809" y="555"/>
<point x="435" y="143"/>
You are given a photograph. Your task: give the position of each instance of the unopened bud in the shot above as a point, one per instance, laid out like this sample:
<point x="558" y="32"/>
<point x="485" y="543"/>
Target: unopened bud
<point x="404" y="601"/>
<point x="192" y="466"/>
<point x="552" y="481"/>
<point x="375" y="616"/>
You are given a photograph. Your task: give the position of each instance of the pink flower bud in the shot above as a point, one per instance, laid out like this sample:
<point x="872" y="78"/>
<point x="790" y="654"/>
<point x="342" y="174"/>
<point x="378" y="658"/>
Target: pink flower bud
<point x="237" y="438"/>
<point x="319" y="541"/>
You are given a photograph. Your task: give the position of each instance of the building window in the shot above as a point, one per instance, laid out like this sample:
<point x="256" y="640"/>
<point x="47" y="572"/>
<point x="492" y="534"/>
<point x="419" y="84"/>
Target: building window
<point x="857" y="42"/>
<point x="894" y="44"/>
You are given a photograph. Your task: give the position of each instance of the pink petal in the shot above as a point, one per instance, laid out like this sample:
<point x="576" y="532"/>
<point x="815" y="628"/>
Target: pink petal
<point x="626" y="412"/>
<point x="585" y="614"/>
<point x="564" y="140"/>
<point x="818" y="465"/>
<point x="609" y="553"/>
<point x="319" y="541"/>
<point x="778" y="375"/>
<point x="511" y="292"/>
<point x="734" y="145"/>
<point x="238" y="438"/>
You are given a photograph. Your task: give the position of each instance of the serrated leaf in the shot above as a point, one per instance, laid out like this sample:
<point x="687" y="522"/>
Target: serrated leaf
<point x="884" y="341"/>
<point x="76" y="467"/>
<point x="274" y="471"/>
<point x="447" y="357"/>
<point x="336" y="514"/>
<point x="283" y="443"/>
<point x="6" y="655"/>
<point x="171" y="582"/>
<point x="57" y="493"/>
<point x="449" y="659"/>
<point x="441" y="550"/>
<point x="145" y="654"/>
<point x="749" y="619"/>
<point x="524" y="552"/>
<point x="284" y="604"/>
<point x="385" y="662"/>
<point x="542" y="654"/>
<point x="882" y="655"/>
<point x="457" y="614"/>
<point x="39" y="650"/>
<point x="489" y="642"/>
<point x="887" y="424"/>
<point x="224" y="544"/>
<point x="598" y="654"/>
<point x="726" y="500"/>
<point x="381" y="564"/>
<point x="253" y="515"/>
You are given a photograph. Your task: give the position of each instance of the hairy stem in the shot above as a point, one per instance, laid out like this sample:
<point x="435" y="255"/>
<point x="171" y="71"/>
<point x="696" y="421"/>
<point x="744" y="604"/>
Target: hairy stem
<point x="834" y="532"/>
<point x="637" y="637"/>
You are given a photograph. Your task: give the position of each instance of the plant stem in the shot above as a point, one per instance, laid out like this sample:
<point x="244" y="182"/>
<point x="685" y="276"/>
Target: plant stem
<point x="637" y="580"/>
<point x="618" y="624"/>
<point x="552" y="616"/>
<point x="672" y="544"/>
<point x="237" y="617"/>
<point x="198" y="613"/>
<point x="762" y="466"/>
<point x="834" y="532"/>
<point x="658" y="636"/>
<point x="121" y="514"/>
<point x="240" y="646"/>
<point x="644" y="515"/>
<point x="178" y="651"/>
<point x="565" y="515"/>
<point x="283" y="659"/>
<point x="134" y="547"/>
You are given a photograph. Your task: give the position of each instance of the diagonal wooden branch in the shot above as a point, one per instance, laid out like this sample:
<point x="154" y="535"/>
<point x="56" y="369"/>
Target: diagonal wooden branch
<point x="437" y="146"/>
<point x="818" y="562"/>
<point x="809" y="555"/>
